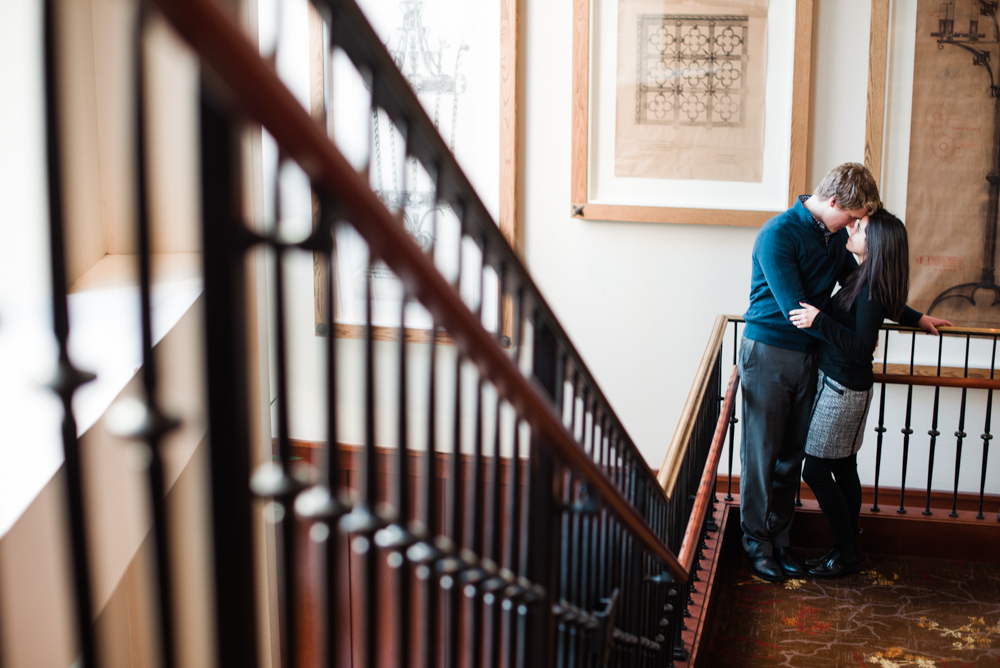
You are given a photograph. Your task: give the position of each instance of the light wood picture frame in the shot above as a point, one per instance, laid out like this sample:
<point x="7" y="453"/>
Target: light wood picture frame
<point x="585" y="207"/>
<point x="508" y="203"/>
<point x="878" y="48"/>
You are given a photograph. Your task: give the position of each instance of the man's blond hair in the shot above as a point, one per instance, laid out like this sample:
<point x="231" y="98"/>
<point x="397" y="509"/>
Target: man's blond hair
<point x="852" y="186"/>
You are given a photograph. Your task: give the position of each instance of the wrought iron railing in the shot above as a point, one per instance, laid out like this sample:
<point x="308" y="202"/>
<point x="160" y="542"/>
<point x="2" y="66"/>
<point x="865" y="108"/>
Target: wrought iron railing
<point x="570" y="561"/>
<point x="958" y="372"/>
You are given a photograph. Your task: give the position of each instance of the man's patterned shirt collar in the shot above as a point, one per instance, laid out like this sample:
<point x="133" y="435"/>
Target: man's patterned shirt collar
<point x="826" y="233"/>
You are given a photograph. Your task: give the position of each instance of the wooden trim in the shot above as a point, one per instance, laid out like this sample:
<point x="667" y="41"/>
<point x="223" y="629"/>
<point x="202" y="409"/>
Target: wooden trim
<point x="509" y="146"/>
<point x="704" y="595"/>
<point x="674" y="458"/>
<point x="580" y="121"/>
<point x="982" y="332"/>
<point x="931" y="371"/>
<point x="581" y="207"/>
<point x="875" y="117"/>
<point x="659" y="214"/>
<point x="914" y="500"/>
<point x="938" y="381"/>
<point x="799" y="147"/>
<point x="441" y="337"/>
<point x="509" y="99"/>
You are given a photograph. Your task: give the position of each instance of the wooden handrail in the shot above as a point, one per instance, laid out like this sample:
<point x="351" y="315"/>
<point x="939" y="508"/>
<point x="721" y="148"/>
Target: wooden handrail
<point x="674" y="459"/>
<point x="262" y="95"/>
<point x="937" y="381"/>
<point x="706" y="488"/>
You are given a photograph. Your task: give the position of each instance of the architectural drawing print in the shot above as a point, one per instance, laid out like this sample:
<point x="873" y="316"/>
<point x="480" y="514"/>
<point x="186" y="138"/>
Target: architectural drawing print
<point x="433" y="66"/>
<point x="691" y="70"/>
<point x="953" y="187"/>
<point x="690" y="90"/>
<point x="435" y="74"/>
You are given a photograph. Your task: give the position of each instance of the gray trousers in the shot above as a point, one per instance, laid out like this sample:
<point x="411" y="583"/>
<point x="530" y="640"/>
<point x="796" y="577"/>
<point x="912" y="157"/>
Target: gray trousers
<point x="778" y="390"/>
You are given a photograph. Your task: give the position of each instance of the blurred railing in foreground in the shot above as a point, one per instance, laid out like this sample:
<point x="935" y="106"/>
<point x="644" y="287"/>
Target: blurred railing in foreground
<point x="575" y="555"/>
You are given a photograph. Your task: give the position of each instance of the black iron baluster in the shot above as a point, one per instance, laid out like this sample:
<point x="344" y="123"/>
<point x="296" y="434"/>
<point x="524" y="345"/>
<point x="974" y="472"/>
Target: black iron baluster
<point x="906" y="430"/>
<point x="146" y="422"/>
<point x="67" y="378"/>
<point x="494" y="526"/>
<point x="933" y="433"/>
<point x="515" y="559"/>
<point x="571" y="543"/>
<point x="960" y="434"/>
<point x="226" y="374"/>
<point x="541" y="532"/>
<point x="590" y="519"/>
<point x="493" y="516"/>
<point x="732" y="420"/>
<point x="562" y="631"/>
<point x="362" y="520"/>
<point x="451" y="567"/>
<point x="399" y="540"/>
<point x="425" y="553"/>
<point x="987" y="436"/>
<point x="396" y="538"/>
<point x="880" y="429"/>
<point x="321" y="504"/>
<point x="275" y="480"/>
<point x="477" y="514"/>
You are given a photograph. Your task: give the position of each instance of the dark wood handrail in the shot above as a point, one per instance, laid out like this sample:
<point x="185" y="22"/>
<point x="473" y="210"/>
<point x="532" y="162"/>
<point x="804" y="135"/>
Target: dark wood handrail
<point x="706" y="488"/>
<point x="937" y="381"/>
<point x="262" y="95"/>
<point x="355" y="34"/>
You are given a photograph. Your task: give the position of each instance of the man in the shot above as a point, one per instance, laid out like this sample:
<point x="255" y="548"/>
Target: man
<point x="798" y="256"/>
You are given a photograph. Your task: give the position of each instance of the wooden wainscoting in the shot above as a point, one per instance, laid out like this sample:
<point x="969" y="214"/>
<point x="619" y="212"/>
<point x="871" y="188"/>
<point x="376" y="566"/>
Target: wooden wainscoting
<point x="348" y="640"/>
<point x="913" y="533"/>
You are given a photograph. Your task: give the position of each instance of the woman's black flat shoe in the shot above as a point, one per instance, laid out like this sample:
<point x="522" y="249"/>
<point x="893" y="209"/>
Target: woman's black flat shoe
<point x="817" y="561"/>
<point x="835" y="566"/>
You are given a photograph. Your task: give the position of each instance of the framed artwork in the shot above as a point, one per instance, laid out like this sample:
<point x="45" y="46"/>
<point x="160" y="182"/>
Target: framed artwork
<point x="933" y="136"/>
<point x="689" y="111"/>
<point x="460" y="59"/>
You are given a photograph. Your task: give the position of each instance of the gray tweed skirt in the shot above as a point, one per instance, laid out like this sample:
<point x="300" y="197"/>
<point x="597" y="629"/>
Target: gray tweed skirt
<point x="838" y="419"/>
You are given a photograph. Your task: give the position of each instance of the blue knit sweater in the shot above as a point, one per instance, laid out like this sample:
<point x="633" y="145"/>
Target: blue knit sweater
<point x="791" y="264"/>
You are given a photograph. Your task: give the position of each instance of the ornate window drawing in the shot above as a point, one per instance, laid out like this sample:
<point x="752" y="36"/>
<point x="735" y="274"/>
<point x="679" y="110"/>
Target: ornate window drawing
<point x="691" y="70"/>
<point x="434" y="79"/>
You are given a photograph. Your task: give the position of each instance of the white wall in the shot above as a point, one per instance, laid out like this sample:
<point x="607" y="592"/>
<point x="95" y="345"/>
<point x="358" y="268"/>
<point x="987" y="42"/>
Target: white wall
<point x="639" y="299"/>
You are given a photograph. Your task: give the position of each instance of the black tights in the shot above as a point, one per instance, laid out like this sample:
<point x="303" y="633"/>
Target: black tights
<point x="837" y="487"/>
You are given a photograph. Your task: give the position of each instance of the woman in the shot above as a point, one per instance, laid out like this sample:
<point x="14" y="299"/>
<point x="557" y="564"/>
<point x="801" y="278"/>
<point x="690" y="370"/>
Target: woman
<point x="877" y="290"/>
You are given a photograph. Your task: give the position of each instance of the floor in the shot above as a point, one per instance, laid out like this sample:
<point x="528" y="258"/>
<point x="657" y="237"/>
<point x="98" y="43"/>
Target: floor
<point x="898" y="612"/>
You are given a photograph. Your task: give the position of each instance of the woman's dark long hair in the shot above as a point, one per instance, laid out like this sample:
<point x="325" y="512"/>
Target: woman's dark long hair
<point x="886" y="267"/>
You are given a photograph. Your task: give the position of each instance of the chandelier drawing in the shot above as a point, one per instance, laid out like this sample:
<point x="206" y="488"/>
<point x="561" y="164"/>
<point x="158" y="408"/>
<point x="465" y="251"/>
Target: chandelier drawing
<point x="439" y="84"/>
<point x="691" y="70"/>
<point x="981" y="49"/>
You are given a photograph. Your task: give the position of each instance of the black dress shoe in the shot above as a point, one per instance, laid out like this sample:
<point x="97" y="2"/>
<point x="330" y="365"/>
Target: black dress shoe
<point x="836" y="566"/>
<point x="816" y="561"/>
<point x="789" y="562"/>
<point x="766" y="568"/>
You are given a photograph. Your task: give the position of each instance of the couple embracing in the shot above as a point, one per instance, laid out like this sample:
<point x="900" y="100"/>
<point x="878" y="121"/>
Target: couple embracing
<point x="805" y="361"/>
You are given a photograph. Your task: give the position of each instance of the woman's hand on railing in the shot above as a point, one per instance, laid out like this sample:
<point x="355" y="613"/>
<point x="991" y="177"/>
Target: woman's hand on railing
<point x="929" y="324"/>
<point x="803" y="317"/>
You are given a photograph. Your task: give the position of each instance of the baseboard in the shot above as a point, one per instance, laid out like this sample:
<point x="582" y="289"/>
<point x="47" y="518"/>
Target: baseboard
<point x="915" y="500"/>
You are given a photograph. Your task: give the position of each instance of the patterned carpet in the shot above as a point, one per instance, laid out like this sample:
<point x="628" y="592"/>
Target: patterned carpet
<point x="898" y="612"/>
